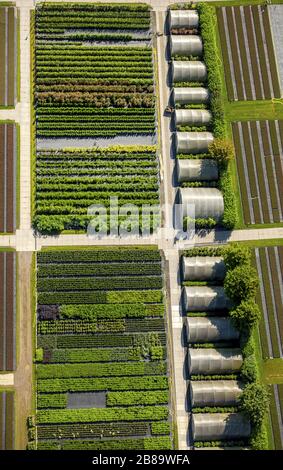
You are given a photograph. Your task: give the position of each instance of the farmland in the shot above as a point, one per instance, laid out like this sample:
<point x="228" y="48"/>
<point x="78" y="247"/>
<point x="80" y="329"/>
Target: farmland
<point x="269" y="262"/>
<point x="102" y="375"/>
<point x="258" y="146"/>
<point x="248" y="53"/>
<point x="7" y="420"/>
<point x="276" y="415"/>
<point x="8" y="177"/>
<point x="7" y="311"/>
<point x="8" y="56"/>
<point x="94" y="73"/>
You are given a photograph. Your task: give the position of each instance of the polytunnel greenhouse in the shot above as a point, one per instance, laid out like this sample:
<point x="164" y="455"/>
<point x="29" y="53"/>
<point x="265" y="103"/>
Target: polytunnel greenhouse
<point x="186" y="45"/>
<point x="189" y="71"/>
<point x="193" y="142"/>
<point x="214" y="392"/>
<point x="203" y="169"/>
<point x="192" y="117"/>
<point x="203" y="268"/>
<point x="203" y="298"/>
<point x="207" y="202"/>
<point x="183" y="19"/>
<point x="206" y="361"/>
<point x="210" y="329"/>
<point x="190" y="95"/>
<point x="220" y="426"/>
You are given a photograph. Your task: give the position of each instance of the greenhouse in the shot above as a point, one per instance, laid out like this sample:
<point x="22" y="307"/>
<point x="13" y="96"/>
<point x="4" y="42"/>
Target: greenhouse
<point x="206" y="361"/>
<point x="189" y="71"/>
<point x="190" y="95"/>
<point x="207" y="202"/>
<point x="196" y="170"/>
<point x="183" y="19"/>
<point x="210" y="329"/>
<point x="193" y="142"/>
<point x="214" y="392"/>
<point x="203" y="298"/>
<point x="203" y="268"/>
<point x="220" y="426"/>
<point x="193" y="117"/>
<point x="186" y="45"/>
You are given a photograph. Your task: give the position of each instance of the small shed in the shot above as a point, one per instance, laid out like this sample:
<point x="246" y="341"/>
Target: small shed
<point x="203" y="268"/>
<point x="189" y="71"/>
<point x="190" y="95"/>
<point x="203" y="169"/>
<point x="203" y="298"/>
<point x="210" y="329"/>
<point x="208" y="361"/>
<point x="220" y="426"/>
<point x="207" y="202"/>
<point x="183" y="19"/>
<point x="186" y="45"/>
<point x="214" y="392"/>
<point x="193" y="142"/>
<point x="192" y="117"/>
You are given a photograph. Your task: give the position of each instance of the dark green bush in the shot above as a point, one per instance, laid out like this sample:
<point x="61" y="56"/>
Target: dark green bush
<point x="246" y="314"/>
<point x="241" y="283"/>
<point x="254" y="402"/>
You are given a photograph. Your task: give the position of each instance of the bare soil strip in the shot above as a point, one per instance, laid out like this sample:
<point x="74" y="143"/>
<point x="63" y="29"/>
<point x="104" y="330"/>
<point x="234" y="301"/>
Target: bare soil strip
<point x="2" y="56"/>
<point x="7" y="314"/>
<point x="7" y="420"/>
<point x="8" y="168"/>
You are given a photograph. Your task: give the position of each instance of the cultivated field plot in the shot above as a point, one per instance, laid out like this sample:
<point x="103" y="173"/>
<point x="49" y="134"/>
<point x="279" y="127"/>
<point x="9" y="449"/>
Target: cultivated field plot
<point x="8" y="177"/>
<point x="7" y="311"/>
<point x="102" y="377"/>
<point x="248" y="53"/>
<point x="8" y="56"/>
<point x="259" y="157"/>
<point x="94" y="71"/>
<point x="7" y="420"/>
<point x="276" y="415"/>
<point x="269" y="263"/>
<point x="69" y="182"/>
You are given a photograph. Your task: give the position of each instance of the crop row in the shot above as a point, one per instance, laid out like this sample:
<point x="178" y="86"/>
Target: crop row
<point x="102" y="269"/>
<point x="121" y="100"/>
<point x="97" y="112"/>
<point x="147" y="443"/>
<point x="98" y="255"/>
<point x="88" y="312"/>
<point x="54" y="400"/>
<point x="45" y="168"/>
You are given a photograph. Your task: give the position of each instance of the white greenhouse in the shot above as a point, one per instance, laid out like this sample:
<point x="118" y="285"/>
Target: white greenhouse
<point x="203" y="268"/>
<point x="210" y="329"/>
<point x="190" y="95"/>
<point x="189" y="71"/>
<point x="220" y="426"/>
<point x="193" y="142"/>
<point x="183" y="19"/>
<point x="203" y="298"/>
<point x="192" y="117"/>
<point x="206" y="361"/>
<point x="207" y="202"/>
<point x="214" y="392"/>
<point x="203" y="169"/>
<point x="186" y="45"/>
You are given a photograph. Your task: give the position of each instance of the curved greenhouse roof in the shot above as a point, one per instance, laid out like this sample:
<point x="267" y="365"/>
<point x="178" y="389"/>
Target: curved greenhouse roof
<point x="220" y="426"/>
<point x="183" y="19"/>
<point x="190" y="95"/>
<point x="189" y="71"/>
<point x="186" y="45"/>
<point x="193" y="142"/>
<point x="214" y="392"/>
<point x="203" y="298"/>
<point x="210" y="329"/>
<point x="207" y="202"/>
<point x="193" y="117"/>
<point x="203" y="169"/>
<point x="206" y="361"/>
<point x="203" y="268"/>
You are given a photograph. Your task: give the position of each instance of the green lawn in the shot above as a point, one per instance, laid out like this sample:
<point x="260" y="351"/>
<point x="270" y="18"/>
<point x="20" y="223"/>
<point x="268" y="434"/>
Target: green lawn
<point x="254" y="110"/>
<point x="272" y="371"/>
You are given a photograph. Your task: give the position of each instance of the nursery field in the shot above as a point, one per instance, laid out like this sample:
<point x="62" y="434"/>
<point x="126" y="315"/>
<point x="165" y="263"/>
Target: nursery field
<point x="276" y="415"/>
<point x="8" y="177"/>
<point x="7" y="311"/>
<point x="93" y="71"/>
<point x="248" y="53"/>
<point x="269" y="263"/>
<point x="102" y="374"/>
<point x="7" y="420"/>
<point x="258" y="146"/>
<point x="8" y="56"/>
